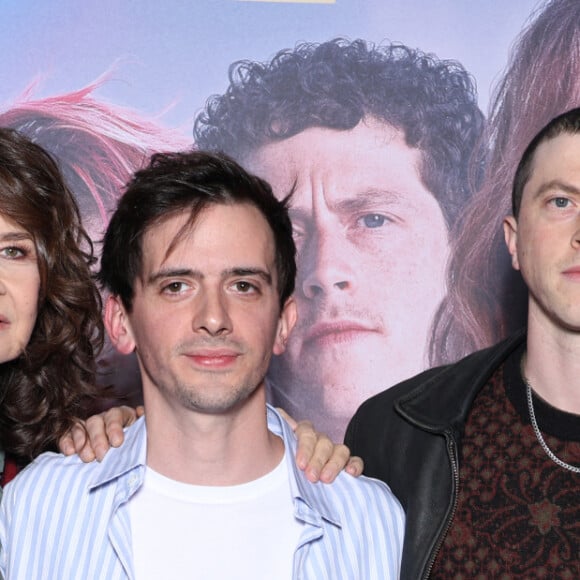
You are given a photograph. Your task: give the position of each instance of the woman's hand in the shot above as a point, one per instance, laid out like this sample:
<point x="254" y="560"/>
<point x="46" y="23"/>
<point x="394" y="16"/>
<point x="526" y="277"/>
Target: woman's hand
<point x="92" y="438"/>
<point x="318" y="456"/>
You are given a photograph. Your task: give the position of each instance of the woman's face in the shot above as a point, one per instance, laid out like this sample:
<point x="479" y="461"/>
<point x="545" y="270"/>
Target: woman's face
<point x="19" y="288"/>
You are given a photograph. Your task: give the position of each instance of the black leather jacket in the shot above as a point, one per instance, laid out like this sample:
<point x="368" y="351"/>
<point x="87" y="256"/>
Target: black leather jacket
<point x="409" y="437"/>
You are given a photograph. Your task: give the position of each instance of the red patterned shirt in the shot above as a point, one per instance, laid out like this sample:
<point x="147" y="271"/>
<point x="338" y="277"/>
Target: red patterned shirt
<point x="518" y="513"/>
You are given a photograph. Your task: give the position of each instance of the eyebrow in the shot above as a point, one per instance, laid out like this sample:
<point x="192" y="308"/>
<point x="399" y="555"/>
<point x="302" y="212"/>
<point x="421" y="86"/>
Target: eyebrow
<point x="15" y="236"/>
<point x="266" y="276"/>
<point x="361" y="201"/>
<point x="557" y="184"/>
<point x="197" y="275"/>
<point x="356" y="203"/>
<point x="173" y="273"/>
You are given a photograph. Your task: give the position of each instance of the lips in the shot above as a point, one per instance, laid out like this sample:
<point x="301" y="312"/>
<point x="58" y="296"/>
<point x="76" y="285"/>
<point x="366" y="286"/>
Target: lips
<point x="213" y="358"/>
<point x="572" y="273"/>
<point x="336" y="332"/>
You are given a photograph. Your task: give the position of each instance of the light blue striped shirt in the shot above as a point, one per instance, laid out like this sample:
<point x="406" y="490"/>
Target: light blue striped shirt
<point x="61" y="519"/>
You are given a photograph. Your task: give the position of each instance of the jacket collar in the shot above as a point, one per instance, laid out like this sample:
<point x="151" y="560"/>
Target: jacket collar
<point x="443" y="399"/>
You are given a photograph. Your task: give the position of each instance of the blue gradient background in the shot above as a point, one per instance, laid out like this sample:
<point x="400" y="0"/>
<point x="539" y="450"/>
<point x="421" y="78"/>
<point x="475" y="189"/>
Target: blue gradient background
<point x="176" y="53"/>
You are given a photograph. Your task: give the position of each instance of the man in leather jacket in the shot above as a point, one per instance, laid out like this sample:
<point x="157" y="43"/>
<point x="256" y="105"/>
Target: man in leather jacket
<point x="484" y="454"/>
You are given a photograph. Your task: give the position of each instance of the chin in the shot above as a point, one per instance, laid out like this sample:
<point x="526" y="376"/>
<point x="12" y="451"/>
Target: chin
<point x="9" y="355"/>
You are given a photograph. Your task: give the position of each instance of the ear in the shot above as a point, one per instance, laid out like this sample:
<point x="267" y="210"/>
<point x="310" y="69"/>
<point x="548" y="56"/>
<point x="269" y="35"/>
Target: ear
<point x="118" y="326"/>
<point x="286" y="323"/>
<point x="510" y="230"/>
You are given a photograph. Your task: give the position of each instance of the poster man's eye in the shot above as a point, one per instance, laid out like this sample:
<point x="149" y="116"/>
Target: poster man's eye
<point x="373" y="220"/>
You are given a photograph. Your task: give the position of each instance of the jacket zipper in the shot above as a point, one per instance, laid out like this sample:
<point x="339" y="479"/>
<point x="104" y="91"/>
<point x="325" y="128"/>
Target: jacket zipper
<point x="452" y="450"/>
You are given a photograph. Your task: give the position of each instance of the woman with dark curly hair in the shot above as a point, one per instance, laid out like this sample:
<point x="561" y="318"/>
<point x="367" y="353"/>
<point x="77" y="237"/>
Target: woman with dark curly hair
<point x="50" y="308"/>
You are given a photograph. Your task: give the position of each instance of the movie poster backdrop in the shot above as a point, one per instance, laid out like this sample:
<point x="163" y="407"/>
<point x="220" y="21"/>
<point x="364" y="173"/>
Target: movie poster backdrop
<point x="394" y="126"/>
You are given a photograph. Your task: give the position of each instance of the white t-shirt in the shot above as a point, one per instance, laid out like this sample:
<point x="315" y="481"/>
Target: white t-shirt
<point x="244" y="531"/>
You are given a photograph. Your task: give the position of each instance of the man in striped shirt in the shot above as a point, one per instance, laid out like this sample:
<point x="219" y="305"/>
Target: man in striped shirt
<point x="199" y="262"/>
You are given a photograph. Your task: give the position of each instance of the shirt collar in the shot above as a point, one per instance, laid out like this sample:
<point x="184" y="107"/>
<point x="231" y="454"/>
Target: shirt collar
<point x="312" y="500"/>
<point x="120" y="460"/>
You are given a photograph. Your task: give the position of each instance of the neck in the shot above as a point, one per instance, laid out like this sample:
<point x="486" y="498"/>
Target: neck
<point x="552" y="363"/>
<point x="228" y="448"/>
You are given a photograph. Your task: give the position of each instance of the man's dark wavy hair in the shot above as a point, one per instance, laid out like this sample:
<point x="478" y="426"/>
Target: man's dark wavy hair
<point x="338" y="83"/>
<point x="189" y="181"/>
<point x="53" y="381"/>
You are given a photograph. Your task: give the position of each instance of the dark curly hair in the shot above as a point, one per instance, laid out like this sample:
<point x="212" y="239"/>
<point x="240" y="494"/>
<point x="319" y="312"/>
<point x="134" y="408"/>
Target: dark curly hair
<point x="188" y="181"/>
<point x="337" y="84"/>
<point x="53" y="381"/>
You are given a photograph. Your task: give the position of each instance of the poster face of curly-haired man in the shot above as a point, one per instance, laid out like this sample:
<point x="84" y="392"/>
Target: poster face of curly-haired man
<point x="373" y="145"/>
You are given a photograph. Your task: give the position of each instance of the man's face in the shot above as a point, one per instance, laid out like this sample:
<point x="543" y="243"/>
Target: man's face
<point x="544" y="242"/>
<point x="372" y="249"/>
<point x="206" y="316"/>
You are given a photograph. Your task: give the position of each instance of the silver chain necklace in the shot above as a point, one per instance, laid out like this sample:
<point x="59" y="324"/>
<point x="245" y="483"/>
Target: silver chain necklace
<point x="539" y="436"/>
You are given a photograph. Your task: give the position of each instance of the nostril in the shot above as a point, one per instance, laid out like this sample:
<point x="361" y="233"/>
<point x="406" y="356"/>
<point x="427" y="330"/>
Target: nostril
<point x="312" y="290"/>
<point x="317" y="290"/>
